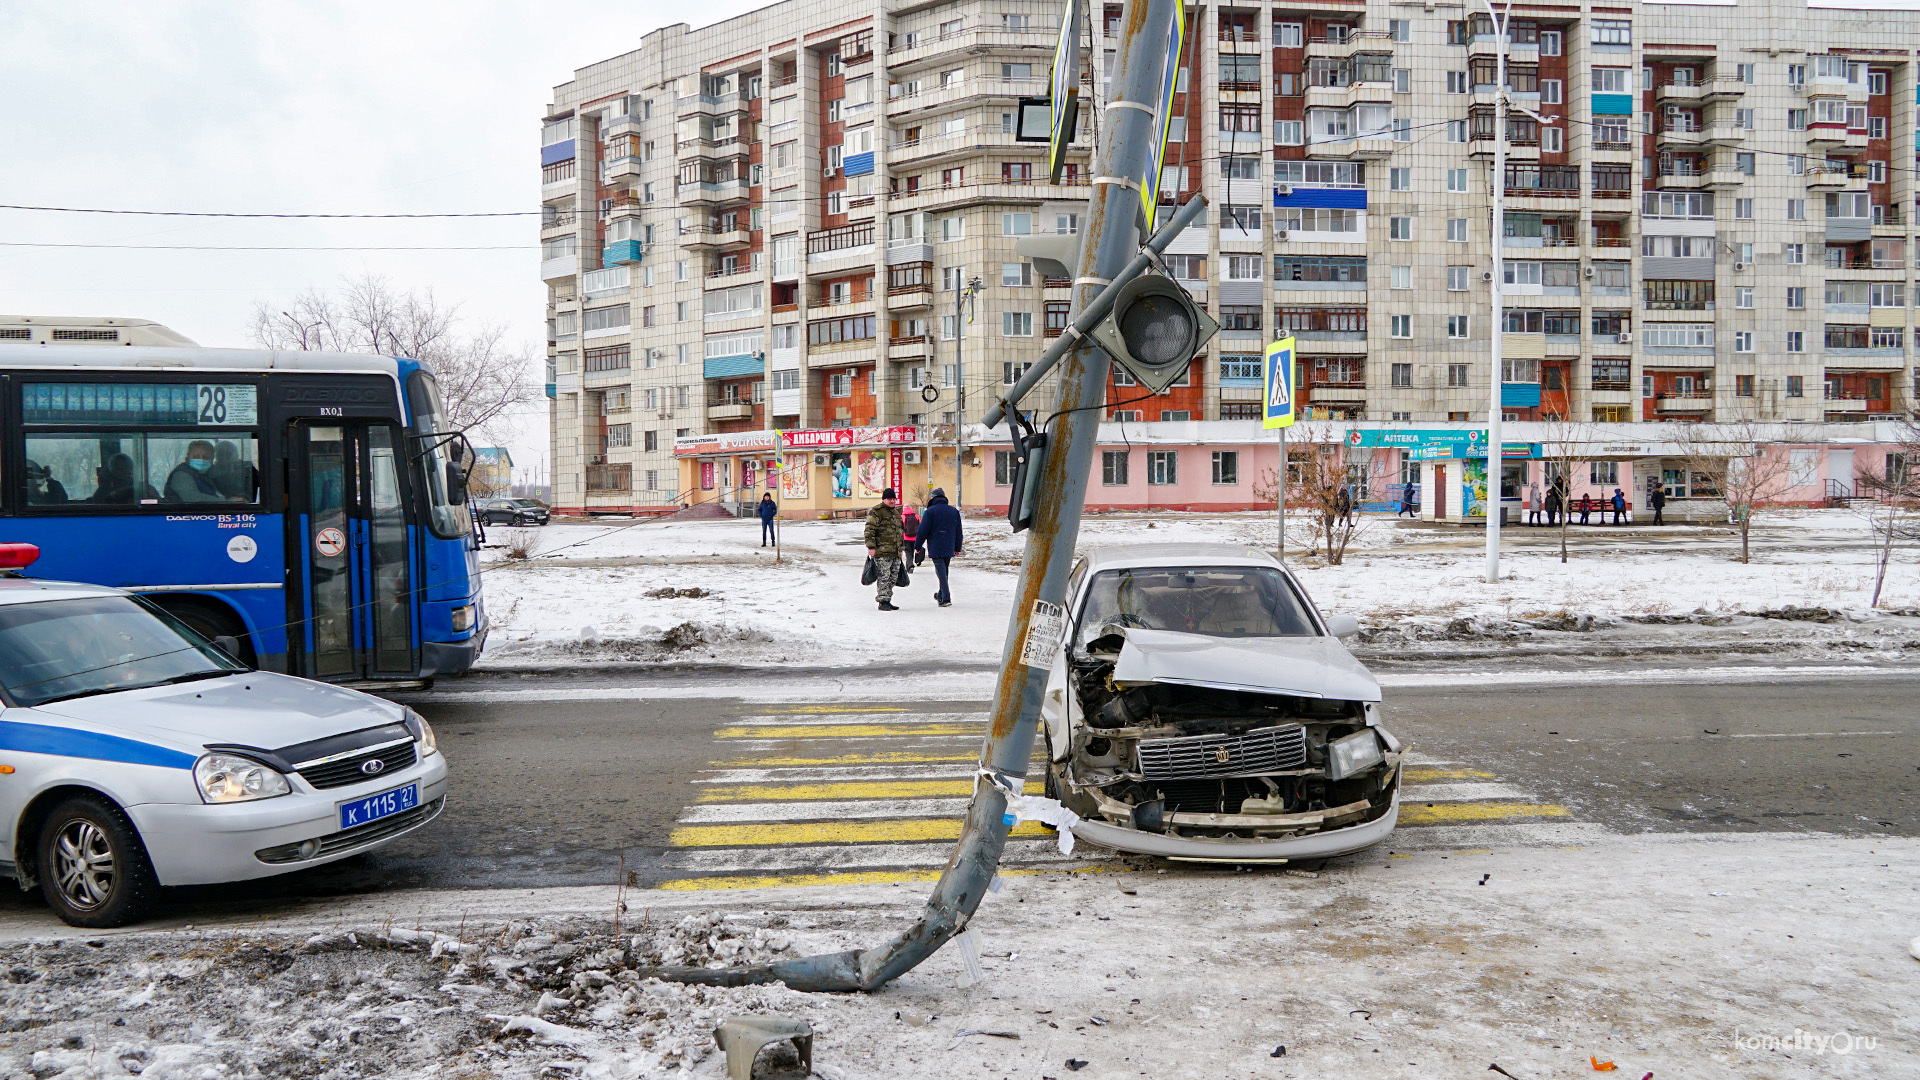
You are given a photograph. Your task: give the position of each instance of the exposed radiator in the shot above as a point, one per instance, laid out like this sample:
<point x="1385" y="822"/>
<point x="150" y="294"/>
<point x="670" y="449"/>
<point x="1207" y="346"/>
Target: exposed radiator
<point x="1263" y="750"/>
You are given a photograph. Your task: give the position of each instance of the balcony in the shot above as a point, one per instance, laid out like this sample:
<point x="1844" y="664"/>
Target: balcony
<point x="730" y="410"/>
<point x="1681" y="181"/>
<point x="1722" y="133"/>
<point x="713" y="149"/>
<point x="1824" y="177"/>
<point x="1827" y="136"/>
<point x="714" y="193"/>
<point x="1846" y="401"/>
<point x="1695" y="401"/>
<point x="622" y="252"/>
<point x="972" y="38"/>
<point x="725" y="276"/>
<point x="625" y="171"/>
<point x="1725" y="176"/>
<point x="709" y="105"/>
<point x="1680" y="138"/>
<point x="1342" y="392"/>
<point x="1345" y="97"/>
<point x="712" y="236"/>
<point x="1378" y="145"/>
<point x="934" y="96"/>
<point x="909" y="347"/>
<point x="1354" y="41"/>
<point x="556" y="269"/>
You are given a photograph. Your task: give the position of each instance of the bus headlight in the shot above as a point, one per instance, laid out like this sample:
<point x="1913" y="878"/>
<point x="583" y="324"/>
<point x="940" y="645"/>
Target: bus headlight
<point x="463" y="619"/>
<point x="228" y="778"/>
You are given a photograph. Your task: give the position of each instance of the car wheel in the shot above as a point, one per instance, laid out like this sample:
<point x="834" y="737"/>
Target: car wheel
<point x="94" y="870"/>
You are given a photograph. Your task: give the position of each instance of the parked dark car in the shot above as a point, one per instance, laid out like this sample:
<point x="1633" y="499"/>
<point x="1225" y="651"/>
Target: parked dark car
<point x="513" y="512"/>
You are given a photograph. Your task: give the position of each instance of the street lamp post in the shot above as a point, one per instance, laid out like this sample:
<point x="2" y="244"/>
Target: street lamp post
<point x="1493" y="505"/>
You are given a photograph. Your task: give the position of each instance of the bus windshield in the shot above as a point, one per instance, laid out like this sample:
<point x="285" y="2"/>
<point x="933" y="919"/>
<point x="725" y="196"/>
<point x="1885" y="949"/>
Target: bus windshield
<point x="438" y="445"/>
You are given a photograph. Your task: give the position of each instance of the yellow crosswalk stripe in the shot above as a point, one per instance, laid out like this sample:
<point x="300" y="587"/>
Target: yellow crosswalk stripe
<point x="877" y="757"/>
<point x="1442" y="813"/>
<point x="1417" y="774"/>
<point x="851" y="877"/>
<point x="830" y="832"/>
<point x="873" y="789"/>
<point x="847" y="731"/>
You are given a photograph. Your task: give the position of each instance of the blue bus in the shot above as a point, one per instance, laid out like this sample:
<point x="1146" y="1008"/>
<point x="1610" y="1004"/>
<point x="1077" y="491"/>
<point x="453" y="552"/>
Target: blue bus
<point x="309" y="505"/>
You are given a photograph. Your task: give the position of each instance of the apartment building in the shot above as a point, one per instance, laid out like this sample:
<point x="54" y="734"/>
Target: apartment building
<point x="768" y="223"/>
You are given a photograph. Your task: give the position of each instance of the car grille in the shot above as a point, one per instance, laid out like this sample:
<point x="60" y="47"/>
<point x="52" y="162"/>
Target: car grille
<point x="356" y="836"/>
<point x="1263" y="750"/>
<point x="1221" y="796"/>
<point x="347" y="770"/>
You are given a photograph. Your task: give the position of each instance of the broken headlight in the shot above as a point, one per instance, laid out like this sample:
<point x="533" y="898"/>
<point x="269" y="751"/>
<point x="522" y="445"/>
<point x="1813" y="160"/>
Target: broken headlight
<point x="1353" y="754"/>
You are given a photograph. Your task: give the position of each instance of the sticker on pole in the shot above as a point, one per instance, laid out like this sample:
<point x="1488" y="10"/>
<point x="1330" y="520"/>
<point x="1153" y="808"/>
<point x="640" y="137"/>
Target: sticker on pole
<point x="330" y="542"/>
<point x="1042" y="646"/>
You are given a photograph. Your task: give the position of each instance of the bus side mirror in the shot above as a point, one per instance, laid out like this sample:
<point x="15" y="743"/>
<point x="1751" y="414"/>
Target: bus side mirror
<point x="456" y="483"/>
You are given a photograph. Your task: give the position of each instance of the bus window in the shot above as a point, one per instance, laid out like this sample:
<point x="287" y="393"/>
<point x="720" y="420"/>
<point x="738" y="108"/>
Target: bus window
<point x="137" y="468"/>
<point x="437" y="446"/>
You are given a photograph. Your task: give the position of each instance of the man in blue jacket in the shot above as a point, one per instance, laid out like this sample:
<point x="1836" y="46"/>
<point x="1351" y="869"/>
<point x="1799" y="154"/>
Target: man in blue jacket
<point x="939" y="533"/>
<point x="767" y="510"/>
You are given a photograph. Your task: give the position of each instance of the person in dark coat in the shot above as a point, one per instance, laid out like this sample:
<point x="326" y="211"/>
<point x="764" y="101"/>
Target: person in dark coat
<point x="1406" y="503"/>
<point x="1553" y="505"/>
<point x="939" y="536"/>
<point x="1619" y="507"/>
<point x="1657" y="498"/>
<point x="1586" y="507"/>
<point x="767" y="510"/>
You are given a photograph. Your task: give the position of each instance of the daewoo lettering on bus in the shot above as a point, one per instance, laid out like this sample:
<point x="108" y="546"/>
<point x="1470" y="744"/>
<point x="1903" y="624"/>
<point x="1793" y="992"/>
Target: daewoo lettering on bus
<point x="310" y="506"/>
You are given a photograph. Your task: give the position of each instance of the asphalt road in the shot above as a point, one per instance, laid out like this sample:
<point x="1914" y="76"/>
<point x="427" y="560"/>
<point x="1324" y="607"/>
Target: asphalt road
<point x="571" y="792"/>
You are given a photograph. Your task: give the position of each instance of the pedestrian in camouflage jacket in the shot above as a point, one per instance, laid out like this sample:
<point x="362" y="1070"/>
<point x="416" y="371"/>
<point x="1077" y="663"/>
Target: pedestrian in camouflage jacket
<point x="885" y="537"/>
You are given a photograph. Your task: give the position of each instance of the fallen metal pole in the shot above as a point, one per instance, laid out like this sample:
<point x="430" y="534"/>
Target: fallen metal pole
<point x="1122" y="156"/>
<point x="1095" y="309"/>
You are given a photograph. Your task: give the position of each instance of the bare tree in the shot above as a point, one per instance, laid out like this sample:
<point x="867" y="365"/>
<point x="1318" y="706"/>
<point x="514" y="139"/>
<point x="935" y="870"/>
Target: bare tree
<point x="482" y="377"/>
<point x="1729" y="460"/>
<point x="1895" y="513"/>
<point x="1317" y="481"/>
<point x="1565" y="447"/>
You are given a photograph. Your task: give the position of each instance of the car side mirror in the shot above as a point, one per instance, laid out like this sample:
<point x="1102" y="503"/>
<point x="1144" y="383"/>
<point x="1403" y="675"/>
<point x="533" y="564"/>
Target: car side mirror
<point x="456" y="483"/>
<point x="228" y="644"/>
<point x="1342" y="626"/>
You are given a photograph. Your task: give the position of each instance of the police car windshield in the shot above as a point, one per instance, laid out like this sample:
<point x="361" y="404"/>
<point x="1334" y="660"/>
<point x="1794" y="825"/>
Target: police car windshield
<point x="60" y="649"/>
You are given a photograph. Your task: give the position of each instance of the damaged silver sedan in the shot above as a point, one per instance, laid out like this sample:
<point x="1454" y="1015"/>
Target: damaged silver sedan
<point x="1203" y="709"/>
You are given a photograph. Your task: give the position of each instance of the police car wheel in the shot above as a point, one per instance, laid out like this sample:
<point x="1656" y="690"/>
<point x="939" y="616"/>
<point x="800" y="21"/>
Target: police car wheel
<point x="93" y="868"/>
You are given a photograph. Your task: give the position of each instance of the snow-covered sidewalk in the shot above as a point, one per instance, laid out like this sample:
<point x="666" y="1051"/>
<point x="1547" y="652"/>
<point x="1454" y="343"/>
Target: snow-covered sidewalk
<point x="705" y="590"/>
<point x="1749" y="955"/>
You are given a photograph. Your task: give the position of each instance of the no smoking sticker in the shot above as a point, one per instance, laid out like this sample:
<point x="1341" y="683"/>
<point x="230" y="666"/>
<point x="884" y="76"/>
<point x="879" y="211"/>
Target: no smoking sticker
<point x="242" y="549"/>
<point x="330" y="542"/>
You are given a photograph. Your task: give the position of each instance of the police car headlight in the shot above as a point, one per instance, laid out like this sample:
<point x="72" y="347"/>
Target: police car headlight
<point x="226" y="778"/>
<point x="422" y="734"/>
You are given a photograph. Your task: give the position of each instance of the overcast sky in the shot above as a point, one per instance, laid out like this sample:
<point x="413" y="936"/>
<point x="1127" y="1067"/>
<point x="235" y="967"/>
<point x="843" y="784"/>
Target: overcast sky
<point x="361" y="107"/>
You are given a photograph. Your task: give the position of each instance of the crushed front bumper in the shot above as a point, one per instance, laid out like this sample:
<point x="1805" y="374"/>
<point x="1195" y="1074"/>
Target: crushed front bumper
<point x="1320" y="845"/>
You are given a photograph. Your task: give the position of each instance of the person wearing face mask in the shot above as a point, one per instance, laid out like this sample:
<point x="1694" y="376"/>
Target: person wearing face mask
<point x="191" y="481"/>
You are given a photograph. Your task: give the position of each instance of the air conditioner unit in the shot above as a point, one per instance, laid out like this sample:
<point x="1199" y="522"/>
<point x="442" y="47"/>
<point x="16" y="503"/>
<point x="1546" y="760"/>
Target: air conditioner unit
<point x="1589" y="271"/>
<point x="1486" y="275"/>
<point x="1739" y="266"/>
<point x="658" y="354"/>
<point x="821" y="461"/>
<point x="1283" y="235"/>
<point x="1283" y="189"/>
<point x="910" y="457"/>
<point x="1626" y="339"/>
<point x="829" y="172"/>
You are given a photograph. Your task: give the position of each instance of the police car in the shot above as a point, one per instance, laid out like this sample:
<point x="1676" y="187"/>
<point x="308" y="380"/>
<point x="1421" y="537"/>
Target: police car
<point x="135" y="754"/>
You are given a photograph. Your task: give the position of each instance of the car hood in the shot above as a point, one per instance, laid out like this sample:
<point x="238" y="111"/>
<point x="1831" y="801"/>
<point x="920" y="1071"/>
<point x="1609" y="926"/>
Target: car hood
<point x="1302" y="666"/>
<point x="256" y="708"/>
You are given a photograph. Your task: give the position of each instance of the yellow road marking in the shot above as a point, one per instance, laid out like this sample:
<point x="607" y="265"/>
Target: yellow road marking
<point x="1440" y="813"/>
<point x="805" y="709"/>
<point x="876" y="789"/>
<point x="847" y="731"/>
<point x="830" y="832"/>
<point x="881" y="757"/>
<point x="857" y="877"/>
<point x="1445" y="774"/>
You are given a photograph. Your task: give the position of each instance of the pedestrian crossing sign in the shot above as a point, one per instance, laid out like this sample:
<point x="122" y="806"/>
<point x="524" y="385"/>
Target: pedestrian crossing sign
<point x="1278" y="411"/>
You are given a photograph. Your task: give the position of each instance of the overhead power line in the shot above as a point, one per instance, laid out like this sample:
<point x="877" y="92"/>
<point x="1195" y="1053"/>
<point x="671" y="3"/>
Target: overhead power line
<point x="233" y="214"/>
<point x="292" y="247"/>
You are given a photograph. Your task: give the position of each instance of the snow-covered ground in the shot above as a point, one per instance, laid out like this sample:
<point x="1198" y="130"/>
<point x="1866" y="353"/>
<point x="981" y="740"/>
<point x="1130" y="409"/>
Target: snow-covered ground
<point x="1675" y="956"/>
<point x="595" y="591"/>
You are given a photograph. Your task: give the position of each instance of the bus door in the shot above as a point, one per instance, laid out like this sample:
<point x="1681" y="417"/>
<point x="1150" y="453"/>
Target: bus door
<point x="354" y="600"/>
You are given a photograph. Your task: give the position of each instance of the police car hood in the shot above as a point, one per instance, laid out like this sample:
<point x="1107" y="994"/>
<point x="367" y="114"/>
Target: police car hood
<point x="256" y="708"/>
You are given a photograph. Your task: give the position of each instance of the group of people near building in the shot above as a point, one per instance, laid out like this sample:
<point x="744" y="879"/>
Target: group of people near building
<point x="1556" y="502"/>
<point x="896" y="538"/>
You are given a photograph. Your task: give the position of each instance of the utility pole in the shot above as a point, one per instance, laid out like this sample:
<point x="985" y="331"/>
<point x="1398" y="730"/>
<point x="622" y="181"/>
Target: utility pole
<point x="1499" y="272"/>
<point x="1110" y="253"/>
<point x="961" y="298"/>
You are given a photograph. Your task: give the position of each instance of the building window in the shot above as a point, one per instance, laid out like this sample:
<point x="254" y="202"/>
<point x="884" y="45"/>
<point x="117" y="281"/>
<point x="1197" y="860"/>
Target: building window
<point x="1403" y="374"/>
<point x="1796" y="386"/>
<point x="1113" y="468"/>
<point x="1457" y="326"/>
<point x="1016" y="224"/>
<point x="1743" y="386"/>
<point x="1240" y="317"/>
<point x="1603" y="473"/>
<point x="1226" y="466"/>
<point x="840" y="386"/>
<point x="1011" y="370"/>
<point x="1401" y="325"/>
<point x="1016" y="274"/>
<point x="1457" y="375"/>
<point x="1796" y="341"/>
<point x="1401" y="228"/>
<point x="1402" y="277"/>
<point x="1743" y="341"/>
<point x="1016" y="324"/>
<point x="1796" y="297"/>
<point x="1457" y="230"/>
<point x="1181" y="415"/>
<point x="1003" y="468"/>
<point x="1163" y="467"/>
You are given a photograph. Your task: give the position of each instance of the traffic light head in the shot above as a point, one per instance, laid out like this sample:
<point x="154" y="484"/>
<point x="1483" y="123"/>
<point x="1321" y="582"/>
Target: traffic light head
<point x="1155" y="328"/>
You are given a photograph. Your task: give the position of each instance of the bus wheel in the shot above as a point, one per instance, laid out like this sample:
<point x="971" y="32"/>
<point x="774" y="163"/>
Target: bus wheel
<point x="211" y="620"/>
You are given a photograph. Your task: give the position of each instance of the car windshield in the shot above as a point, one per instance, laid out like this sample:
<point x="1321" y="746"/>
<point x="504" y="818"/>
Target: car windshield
<point x="527" y="503"/>
<point x="96" y="645"/>
<point x="1221" y="601"/>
